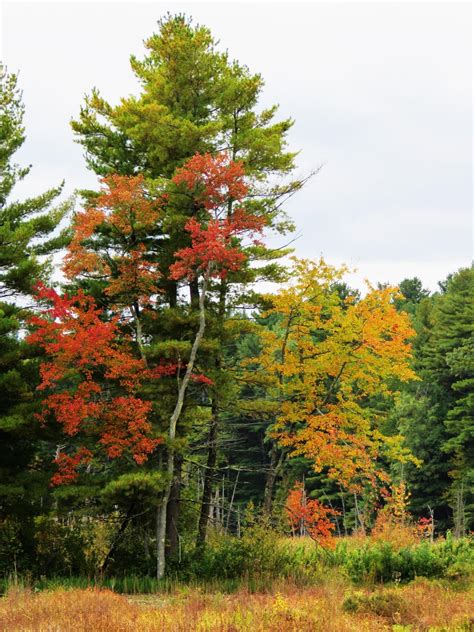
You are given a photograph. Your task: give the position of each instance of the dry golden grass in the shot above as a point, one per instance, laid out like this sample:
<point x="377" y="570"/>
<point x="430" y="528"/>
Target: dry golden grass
<point x="421" y="606"/>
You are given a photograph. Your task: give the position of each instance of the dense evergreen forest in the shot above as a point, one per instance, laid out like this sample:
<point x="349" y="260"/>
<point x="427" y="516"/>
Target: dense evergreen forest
<point x="152" y="396"/>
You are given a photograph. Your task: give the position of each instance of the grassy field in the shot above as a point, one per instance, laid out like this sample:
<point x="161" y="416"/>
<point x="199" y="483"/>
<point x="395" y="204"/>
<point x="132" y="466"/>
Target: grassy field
<point x="333" y="607"/>
<point x="264" y="583"/>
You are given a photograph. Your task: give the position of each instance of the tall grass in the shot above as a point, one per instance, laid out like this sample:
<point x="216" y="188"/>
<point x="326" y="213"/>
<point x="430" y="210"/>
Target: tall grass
<point x="332" y="607"/>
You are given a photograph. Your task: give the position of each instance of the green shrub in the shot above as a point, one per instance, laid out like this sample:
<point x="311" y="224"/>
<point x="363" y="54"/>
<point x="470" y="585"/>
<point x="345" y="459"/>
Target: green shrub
<point x="11" y="548"/>
<point x="229" y="557"/>
<point x="257" y="559"/>
<point x="388" y="603"/>
<point x="381" y="562"/>
<point x="61" y="547"/>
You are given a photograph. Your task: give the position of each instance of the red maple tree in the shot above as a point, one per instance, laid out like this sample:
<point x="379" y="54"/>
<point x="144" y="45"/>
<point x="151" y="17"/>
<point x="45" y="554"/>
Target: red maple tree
<point x="309" y="516"/>
<point x="91" y="381"/>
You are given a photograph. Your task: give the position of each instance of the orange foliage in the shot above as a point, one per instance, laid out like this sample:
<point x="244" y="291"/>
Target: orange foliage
<point x="395" y="524"/>
<point x="135" y="276"/>
<point x="310" y="516"/>
<point x="425" y="527"/>
<point x="325" y="359"/>
<point x="128" y="214"/>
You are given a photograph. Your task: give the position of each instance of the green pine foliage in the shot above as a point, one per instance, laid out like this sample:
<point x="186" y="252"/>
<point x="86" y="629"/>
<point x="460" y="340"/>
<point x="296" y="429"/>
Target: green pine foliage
<point x="27" y="236"/>
<point x="436" y="415"/>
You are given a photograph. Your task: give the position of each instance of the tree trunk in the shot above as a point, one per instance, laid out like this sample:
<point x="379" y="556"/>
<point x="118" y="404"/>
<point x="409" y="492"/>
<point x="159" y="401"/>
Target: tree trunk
<point x="359" y="519"/>
<point x="209" y="472"/>
<point x="208" y="478"/>
<point x="135" y="309"/>
<point x="172" y="533"/>
<point x="231" y="504"/>
<point x="268" y="493"/>
<point x="118" y="537"/>
<point x="343" y="502"/>
<point x="171" y="292"/>
<point x="275" y="461"/>
<point x="274" y="468"/>
<point x="459" y="514"/>
<point x="194" y="293"/>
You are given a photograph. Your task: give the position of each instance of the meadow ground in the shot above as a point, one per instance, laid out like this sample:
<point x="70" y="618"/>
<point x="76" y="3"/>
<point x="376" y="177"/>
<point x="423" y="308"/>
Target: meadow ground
<point x="334" y="606"/>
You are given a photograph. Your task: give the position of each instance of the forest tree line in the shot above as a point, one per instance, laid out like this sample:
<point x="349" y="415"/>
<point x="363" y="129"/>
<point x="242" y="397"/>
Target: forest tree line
<point x="151" y="393"/>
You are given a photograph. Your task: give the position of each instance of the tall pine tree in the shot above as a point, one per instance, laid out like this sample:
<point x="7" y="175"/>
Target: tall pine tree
<point x="195" y="99"/>
<point x="26" y="238"/>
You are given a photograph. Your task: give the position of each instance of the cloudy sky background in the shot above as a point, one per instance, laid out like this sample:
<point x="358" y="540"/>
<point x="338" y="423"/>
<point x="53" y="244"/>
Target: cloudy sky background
<point x="380" y="94"/>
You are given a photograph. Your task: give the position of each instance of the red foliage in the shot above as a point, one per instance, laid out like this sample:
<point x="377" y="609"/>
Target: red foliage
<point x="213" y="179"/>
<point x="92" y="378"/>
<point x="200" y="378"/>
<point x="215" y="183"/>
<point x="425" y="527"/>
<point x="126" y="426"/>
<point x="68" y="466"/>
<point x="171" y="369"/>
<point x="310" y="516"/>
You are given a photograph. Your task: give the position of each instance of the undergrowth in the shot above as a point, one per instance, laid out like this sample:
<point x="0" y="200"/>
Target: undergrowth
<point x="264" y="561"/>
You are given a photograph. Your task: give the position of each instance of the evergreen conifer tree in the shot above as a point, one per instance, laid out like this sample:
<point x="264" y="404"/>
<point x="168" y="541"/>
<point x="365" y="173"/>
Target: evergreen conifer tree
<point x="195" y="99"/>
<point x="26" y="238"/>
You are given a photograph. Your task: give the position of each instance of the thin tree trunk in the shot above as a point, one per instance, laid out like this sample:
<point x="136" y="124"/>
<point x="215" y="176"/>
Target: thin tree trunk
<point x="194" y="293"/>
<point x="270" y="479"/>
<point x="341" y="493"/>
<point x="213" y="431"/>
<point x="432" y="528"/>
<point x="135" y="309"/>
<point x="118" y="536"/>
<point x="172" y="533"/>
<point x="358" y="515"/>
<point x="217" y="507"/>
<point x="223" y="503"/>
<point x="232" y="500"/>
<point x="172" y="293"/>
<point x="208" y="478"/>
<point x="276" y="463"/>
<point x="162" y="514"/>
<point x="459" y="512"/>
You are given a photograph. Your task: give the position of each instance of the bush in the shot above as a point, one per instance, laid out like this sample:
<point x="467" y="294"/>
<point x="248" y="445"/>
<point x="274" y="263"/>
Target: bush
<point x="61" y="547"/>
<point x="262" y="555"/>
<point x="258" y="558"/>
<point x="381" y="562"/>
<point x="389" y="604"/>
<point x="229" y="557"/>
<point x="11" y="548"/>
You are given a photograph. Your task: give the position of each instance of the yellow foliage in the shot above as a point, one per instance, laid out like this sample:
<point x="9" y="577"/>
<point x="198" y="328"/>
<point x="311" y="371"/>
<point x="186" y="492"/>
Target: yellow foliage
<point x="324" y="359"/>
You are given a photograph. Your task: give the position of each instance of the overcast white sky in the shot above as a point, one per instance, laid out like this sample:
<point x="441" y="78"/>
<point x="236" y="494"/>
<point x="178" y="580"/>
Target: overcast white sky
<point x="381" y="93"/>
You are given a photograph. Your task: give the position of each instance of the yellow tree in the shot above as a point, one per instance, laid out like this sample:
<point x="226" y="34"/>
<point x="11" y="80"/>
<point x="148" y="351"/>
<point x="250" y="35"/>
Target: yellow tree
<point x="324" y="359"/>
